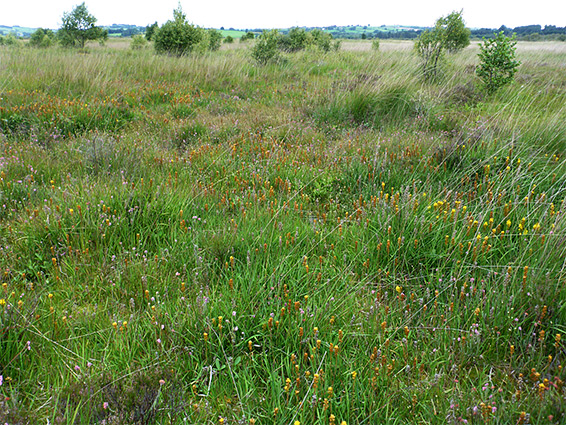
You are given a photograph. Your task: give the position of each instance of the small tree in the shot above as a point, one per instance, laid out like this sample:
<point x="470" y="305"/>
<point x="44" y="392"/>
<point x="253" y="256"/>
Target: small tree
<point x="375" y="44"/>
<point x="79" y="27"/>
<point x="497" y="66"/>
<point x="430" y="48"/>
<point x="42" y="38"/>
<point x="138" y="42"/>
<point x="449" y="33"/>
<point x="214" y="39"/>
<point x="229" y="39"/>
<point x="177" y="37"/>
<point x="9" y="40"/>
<point x="294" y="41"/>
<point x="320" y="39"/>
<point x="265" y="49"/>
<point x="150" y="31"/>
<point x="456" y="35"/>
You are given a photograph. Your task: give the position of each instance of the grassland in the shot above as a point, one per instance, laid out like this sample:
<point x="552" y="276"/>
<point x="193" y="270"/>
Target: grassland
<point x="325" y="240"/>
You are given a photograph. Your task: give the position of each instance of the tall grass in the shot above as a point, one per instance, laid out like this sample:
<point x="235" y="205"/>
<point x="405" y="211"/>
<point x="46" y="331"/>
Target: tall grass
<point x="326" y="240"/>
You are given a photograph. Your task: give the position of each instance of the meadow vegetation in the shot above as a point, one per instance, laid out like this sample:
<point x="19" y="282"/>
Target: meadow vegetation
<point x="329" y="239"/>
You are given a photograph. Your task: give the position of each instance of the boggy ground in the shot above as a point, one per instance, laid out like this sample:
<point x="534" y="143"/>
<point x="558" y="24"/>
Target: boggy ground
<point x="324" y="240"/>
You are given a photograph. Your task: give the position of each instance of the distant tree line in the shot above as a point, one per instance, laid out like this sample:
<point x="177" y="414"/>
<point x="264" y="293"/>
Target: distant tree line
<point x="527" y="32"/>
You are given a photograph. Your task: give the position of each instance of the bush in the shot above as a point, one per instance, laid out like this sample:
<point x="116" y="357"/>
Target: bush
<point x="296" y="40"/>
<point x="375" y="44"/>
<point x="265" y="49"/>
<point x="247" y="36"/>
<point x="431" y="50"/>
<point x="456" y="35"/>
<point x="150" y="31"/>
<point x="229" y="39"/>
<point x="320" y="39"/>
<point x="177" y="37"/>
<point x="42" y="38"/>
<point x="448" y="33"/>
<point x="214" y="39"/>
<point x="9" y="40"/>
<point x="497" y="66"/>
<point x="138" y="42"/>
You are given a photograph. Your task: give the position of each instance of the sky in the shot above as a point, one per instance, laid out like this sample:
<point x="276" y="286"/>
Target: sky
<point x="245" y="14"/>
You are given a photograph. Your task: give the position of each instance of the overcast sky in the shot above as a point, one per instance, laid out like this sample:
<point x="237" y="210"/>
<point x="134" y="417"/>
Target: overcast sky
<point x="287" y="13"/>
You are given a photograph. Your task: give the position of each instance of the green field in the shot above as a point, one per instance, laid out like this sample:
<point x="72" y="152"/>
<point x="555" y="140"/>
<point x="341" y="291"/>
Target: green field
<point x="324" y="240"/>
<point x="232" y="33"/>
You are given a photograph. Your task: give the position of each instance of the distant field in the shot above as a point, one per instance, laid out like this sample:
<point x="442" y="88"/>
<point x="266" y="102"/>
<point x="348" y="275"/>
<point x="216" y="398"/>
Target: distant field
<point x="232" y="33"/>
<point x="327" y="239"/>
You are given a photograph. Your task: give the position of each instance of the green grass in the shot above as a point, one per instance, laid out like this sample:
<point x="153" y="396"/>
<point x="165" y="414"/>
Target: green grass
<point x="327" y="239"/>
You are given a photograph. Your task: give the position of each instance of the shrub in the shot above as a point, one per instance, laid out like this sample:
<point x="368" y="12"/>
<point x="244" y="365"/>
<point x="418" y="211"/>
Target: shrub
<point x="265" y="49"/>
<point x="229" y="39"/>
<point x="138" y="42"/>
<point x="247" y="36"/>
<point x="214" y="39"/>
<point x="296" y="40"/>
<point x="150" y="31"/>
<point x="177" y="37"/>
<point x="456" y="35"/>
<point x="320" y="39"/>
<point x="430" y="49"/>
<point x="497" y="66"/>
<point x="299" y="39"/>
<point x="375" y="44"/>
<point x="42" y="38"/>
<point x="448" y="33"/>
<point x="9" y="40"/>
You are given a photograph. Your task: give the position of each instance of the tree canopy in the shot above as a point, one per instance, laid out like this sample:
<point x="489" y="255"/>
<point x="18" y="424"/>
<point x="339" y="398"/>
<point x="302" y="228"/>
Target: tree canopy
<point x="178" y="36"/>
<point x="455" y="34"/>
<point x="449" y="33"/>
<point x="78" y="27"/>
